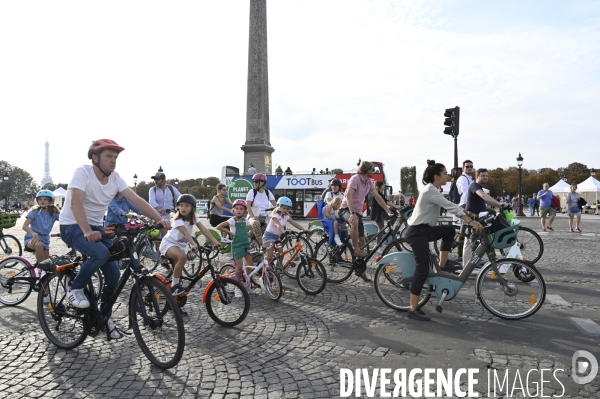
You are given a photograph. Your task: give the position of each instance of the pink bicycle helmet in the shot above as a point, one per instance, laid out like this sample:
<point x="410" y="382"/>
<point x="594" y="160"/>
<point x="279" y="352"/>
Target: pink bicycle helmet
<point x="259" y="177"/>
<point x="240" y="202"/>
<point x="103" y="144"/>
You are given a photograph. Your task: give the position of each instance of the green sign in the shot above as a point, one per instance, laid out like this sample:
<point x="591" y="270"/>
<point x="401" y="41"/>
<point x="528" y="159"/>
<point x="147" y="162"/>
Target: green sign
<point x="238" y="189"/>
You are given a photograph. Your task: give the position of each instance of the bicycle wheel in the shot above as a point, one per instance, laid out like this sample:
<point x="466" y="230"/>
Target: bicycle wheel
<point x="504" y="295"/>
<point x="532" y="246"/>
<point x="149" y="256"/>
<point x="161" y="338"/>
<point x="392" y="291"/>
<point x="223" y="307"/>
<point x="9" y="246"/>
<point x="337" y="260"/>
<point x="62" y="323"/>
<point x="273" y="286"/>
<point x="401" y="234"/>
<point x="315" y="236"/>
<point x="193" y="263"/>
<point x="311" y="276"/>
<point x="98" y="283"/>
<point x="16" y="281"/>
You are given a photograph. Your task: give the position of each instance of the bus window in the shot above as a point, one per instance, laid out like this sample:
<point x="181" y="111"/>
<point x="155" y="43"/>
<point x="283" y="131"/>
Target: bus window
<point x="309" y="196"/>
<point x="299" y="196"/>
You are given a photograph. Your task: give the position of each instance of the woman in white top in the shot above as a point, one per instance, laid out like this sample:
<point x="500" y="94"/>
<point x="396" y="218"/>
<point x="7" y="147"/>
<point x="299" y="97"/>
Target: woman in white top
<point x="573" y="209"/>
<point x="423" y="228"/>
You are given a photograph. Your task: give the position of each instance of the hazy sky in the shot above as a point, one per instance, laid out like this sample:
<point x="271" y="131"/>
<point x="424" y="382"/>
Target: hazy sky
<point x="347" y="79"/>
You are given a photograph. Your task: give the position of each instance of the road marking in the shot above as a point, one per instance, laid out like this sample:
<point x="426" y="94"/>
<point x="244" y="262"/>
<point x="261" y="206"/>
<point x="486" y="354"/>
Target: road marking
<point x="557" y="300"/>
<point x="587" y="326"/>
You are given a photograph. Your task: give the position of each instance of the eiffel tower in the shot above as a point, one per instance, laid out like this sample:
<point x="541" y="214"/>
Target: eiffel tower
<point x="47" y="178"/>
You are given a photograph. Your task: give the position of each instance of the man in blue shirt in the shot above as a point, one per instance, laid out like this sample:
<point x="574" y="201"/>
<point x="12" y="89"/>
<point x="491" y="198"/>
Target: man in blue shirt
<point x="163" y="196"/>
<point x="477" y="198"/>
<point x="545" y="198"/>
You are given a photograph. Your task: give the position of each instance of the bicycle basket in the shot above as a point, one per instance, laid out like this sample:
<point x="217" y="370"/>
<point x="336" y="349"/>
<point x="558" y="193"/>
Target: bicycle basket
<point x="8" y="220"/>
<point x="406" y="214"/>
<point x="503" y="233"/>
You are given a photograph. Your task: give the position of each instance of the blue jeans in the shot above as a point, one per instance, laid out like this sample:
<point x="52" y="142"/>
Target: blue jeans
<point x="98" y="254"/>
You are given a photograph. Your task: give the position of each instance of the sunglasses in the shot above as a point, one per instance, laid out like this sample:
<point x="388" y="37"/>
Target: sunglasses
<point x="469" y="166"/>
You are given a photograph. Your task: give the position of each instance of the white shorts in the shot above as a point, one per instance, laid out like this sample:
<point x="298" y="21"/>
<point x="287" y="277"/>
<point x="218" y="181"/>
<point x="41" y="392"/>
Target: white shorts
<point x="166" y="244"/>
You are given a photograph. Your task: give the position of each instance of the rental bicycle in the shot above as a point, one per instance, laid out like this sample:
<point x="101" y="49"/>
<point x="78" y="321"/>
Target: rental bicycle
<point x="153" y="313"/>
<point x="9" y="245"/>
<point x="507" y="288"/>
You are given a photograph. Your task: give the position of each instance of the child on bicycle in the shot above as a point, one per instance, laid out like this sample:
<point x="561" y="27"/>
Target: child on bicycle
<point x="119" y="210"/>
<point x="330" y="211"/>
<point x="38" y="225"/>
<point x="240" y="245"/>
<point x="279" y="218"/>
<point x="174" y="244"/>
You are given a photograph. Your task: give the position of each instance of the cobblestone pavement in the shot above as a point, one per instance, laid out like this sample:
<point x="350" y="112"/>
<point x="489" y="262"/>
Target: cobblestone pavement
<point x="295" y="347"/>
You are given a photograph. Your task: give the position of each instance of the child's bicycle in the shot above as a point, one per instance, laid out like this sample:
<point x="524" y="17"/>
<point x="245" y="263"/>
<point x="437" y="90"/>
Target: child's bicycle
<point x="9" y="245"/>
<point x="18" y="278"/>
<point x="221" y="304"/>
<point x="308" y="271"/>
<point x="507" y="288"/>
<point x="153" y="313"/>
<point x="270" y="282"/>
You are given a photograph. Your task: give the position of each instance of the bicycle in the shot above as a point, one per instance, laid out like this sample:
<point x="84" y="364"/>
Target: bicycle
<point x="309" y="272"/>
<point x="18" y="278"/>
<point x="9" y="245"/>
<point x="270" y="281"/>
<point x="153" y="313"/>
<point x="499" y="294"/>
<point x="529" y="242"/>
<point x="221" y="304"/>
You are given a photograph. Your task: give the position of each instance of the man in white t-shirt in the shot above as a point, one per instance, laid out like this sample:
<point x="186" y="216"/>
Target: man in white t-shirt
<point x="89" y="193"/>
<point x="258" y="204"/>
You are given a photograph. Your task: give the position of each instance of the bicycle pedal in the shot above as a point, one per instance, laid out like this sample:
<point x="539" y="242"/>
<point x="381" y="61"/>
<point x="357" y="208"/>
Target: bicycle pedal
<point x="439" y="308"/>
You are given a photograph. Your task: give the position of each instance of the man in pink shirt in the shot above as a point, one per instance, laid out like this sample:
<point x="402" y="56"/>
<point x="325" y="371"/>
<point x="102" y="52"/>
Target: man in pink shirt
<point x="357" y="189"/>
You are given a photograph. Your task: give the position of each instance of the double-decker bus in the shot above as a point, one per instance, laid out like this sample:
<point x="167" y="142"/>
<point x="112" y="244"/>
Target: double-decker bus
<point x="303" y="189"/>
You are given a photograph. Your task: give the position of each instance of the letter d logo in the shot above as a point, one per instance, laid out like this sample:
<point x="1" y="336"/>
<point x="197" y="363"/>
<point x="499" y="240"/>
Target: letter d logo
<point x="580" y="367"/>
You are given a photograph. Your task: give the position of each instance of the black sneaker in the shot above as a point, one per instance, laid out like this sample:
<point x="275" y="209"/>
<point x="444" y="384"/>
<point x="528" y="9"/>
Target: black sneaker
<point x="418" y="314"/>
<point x="177" y="289"/>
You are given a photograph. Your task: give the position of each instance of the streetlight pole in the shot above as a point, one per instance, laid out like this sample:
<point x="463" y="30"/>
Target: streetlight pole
<point x="5" y="180"/>
<point x="135" y="183"/>
<point x="520" y="194"/>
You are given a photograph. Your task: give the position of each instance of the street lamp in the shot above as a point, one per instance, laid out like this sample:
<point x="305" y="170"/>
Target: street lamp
<point x="5" y="190"/>
<point x="520" y="195"/>
<point x="592" y="171"/>
<point x="135" y="183"/>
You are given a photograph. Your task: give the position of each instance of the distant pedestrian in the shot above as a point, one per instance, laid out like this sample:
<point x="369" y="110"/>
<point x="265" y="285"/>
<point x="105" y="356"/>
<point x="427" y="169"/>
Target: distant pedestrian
<point x="531" y="202"/>
<point x="412" y="201"/>
<point x="288" y="171"/>
<point x="278" y="171"/>
<point x="545" y="198"/>
<point x="536" y="205"/>
<point x="573" y="209"/>
<point x="251" y="170"/>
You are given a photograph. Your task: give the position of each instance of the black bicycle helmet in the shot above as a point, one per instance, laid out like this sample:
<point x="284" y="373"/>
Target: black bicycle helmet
<point x="188" y="198"/>
<point x="336" y="182"/>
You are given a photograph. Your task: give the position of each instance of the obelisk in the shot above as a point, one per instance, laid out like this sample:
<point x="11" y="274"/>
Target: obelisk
<point x="257" y="149"/>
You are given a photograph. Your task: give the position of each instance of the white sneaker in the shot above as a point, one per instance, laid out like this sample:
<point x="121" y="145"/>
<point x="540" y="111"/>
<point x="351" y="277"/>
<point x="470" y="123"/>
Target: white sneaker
<point x="77" y="298"/>
<point x="238" y="293"/>
<point x="48" y="299"/>
<point x="114" y="331"/>
<point x="337" y="240"/>
<point x="226" y="240"/>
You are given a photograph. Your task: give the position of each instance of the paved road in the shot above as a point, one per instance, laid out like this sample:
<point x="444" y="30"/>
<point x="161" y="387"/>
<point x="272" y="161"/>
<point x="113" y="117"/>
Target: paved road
<point x="296" y="347"/>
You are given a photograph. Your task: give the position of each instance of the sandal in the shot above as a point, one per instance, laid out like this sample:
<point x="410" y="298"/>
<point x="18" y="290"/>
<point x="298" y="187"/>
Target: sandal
<point x="365" y="278"/>
<point x="571" y="231"/>
<point x="550" y="228"/>
<point x="578" y="230"/>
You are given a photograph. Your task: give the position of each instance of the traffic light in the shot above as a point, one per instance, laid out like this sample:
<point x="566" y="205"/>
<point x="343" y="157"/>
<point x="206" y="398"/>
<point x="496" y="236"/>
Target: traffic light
<point x="452" y="120"/>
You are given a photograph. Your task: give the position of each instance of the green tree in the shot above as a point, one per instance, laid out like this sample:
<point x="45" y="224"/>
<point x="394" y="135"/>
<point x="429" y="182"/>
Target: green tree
<point x="19" y="185"/>
<point x="336" y="171"/>
<point x="408" y="181"/>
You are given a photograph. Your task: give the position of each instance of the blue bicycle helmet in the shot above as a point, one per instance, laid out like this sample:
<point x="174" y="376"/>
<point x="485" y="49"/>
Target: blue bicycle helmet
<point x="284" y="201"/>
<point x="45" y="193"/>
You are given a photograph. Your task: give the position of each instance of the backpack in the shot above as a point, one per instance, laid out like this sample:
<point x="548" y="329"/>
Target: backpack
<point x="555" y="202"/>
<point x="453" y="194"/>
<point x="172" y="194"/>
<point x="256" y="191"/>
